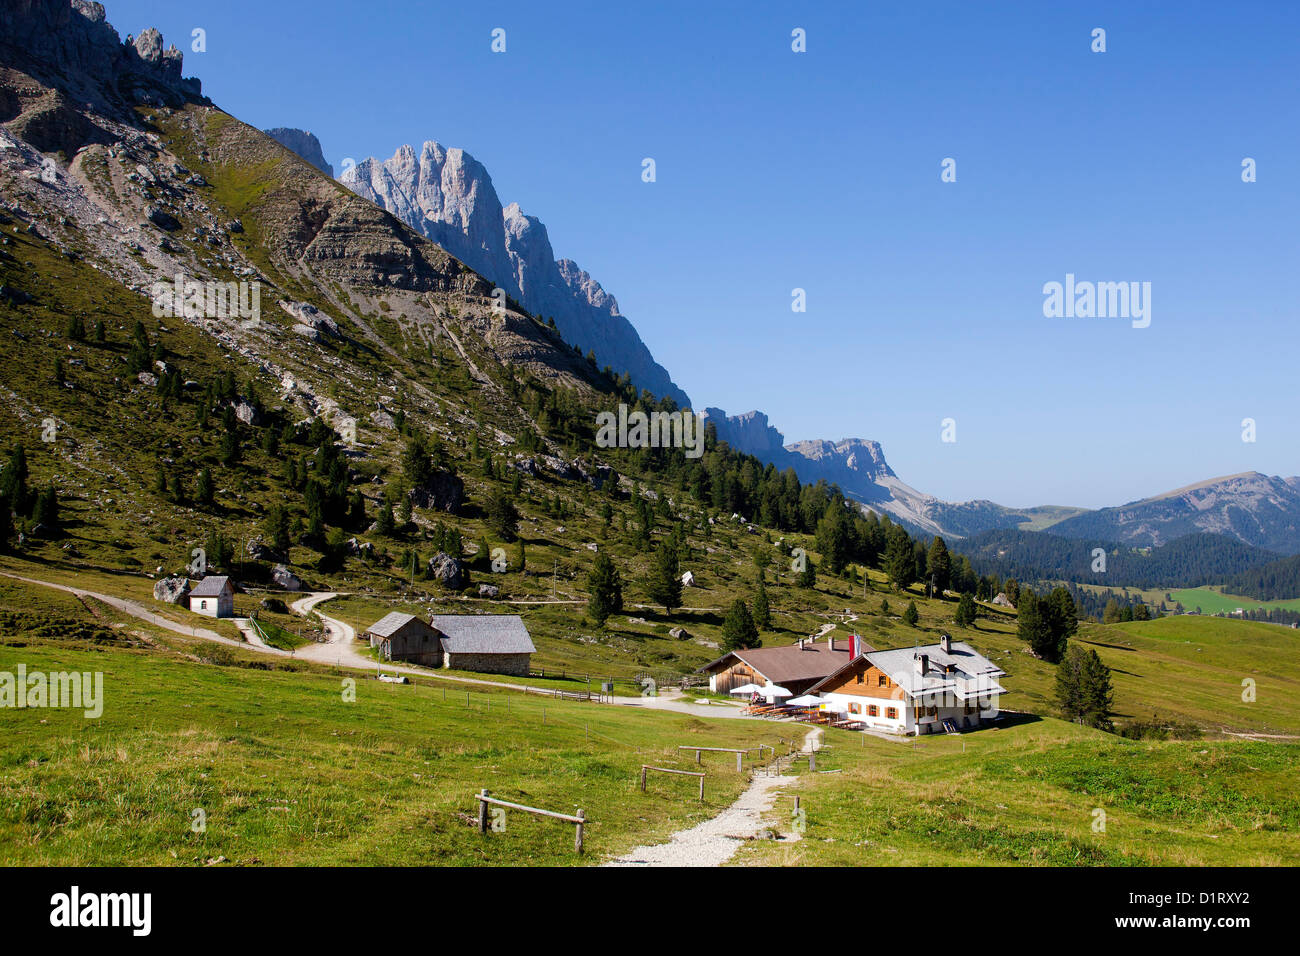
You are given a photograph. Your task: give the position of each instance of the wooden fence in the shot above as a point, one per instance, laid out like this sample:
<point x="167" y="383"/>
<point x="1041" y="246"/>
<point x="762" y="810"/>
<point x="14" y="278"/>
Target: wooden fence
<point x="484" y="799"/>
<point x="684" y="773"/>
<point x="740" y="754"/>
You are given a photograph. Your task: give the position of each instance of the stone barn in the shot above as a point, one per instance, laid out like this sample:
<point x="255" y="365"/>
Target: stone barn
<point x="214" y="596"/>
<point x="405" y="637"/>
<point x="490" y="643"/>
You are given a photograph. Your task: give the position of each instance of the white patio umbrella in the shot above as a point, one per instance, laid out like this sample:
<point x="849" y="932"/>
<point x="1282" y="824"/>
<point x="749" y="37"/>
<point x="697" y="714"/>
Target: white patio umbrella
<point x="746" y="689"/>
<point x="807" y="700"/>
<point x="774" y="690"/>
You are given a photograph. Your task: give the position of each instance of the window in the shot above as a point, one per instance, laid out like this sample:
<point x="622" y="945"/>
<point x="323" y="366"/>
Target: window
<point x="873" y="710"/>
<point x="884" y="681"/>
<point x="859" y="678"/>
<point x="203" y="605"/>
<point x="855" y="708"/>
<point x="891" y="713"/>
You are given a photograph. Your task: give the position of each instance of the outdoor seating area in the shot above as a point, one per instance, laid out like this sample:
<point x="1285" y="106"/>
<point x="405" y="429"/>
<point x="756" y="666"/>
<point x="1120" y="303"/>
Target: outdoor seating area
<point x="776" y="703"/>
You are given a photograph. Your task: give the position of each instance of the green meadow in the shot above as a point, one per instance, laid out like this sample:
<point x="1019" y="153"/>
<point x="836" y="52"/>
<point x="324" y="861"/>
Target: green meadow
<point x="1041" y="792"/>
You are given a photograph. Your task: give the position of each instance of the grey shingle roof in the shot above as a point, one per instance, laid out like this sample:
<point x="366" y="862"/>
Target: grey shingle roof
<point x="483" y="634"/>
<point x="962" y="671"/>
<point x="390" y="624"/>
<point x="211" y="586"/>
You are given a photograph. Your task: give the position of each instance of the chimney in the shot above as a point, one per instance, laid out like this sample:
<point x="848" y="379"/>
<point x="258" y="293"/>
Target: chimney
<point x="801" y="643"/>
<point x="945" y="643"/>
<point x="922" y="664"/>
<point x="831" y="641"/>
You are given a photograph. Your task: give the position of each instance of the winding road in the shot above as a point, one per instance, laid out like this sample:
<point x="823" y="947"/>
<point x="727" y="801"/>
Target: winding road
<point x="342" y="650"/>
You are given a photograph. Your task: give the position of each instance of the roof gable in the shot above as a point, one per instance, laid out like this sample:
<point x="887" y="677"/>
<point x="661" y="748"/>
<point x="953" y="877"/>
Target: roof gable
<point x="790" y="662"/>
<point x="391" y="623"/>
<point x="483" y="634"/>
<point x="214" y="585"/>
<point x="960" y="669"/>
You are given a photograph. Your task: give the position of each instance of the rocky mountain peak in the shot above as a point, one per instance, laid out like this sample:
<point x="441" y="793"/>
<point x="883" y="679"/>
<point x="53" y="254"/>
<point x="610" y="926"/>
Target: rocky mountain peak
<point x="303" y="143"/>
<point x="448" y="196"/>
<point x="856" y="456"/>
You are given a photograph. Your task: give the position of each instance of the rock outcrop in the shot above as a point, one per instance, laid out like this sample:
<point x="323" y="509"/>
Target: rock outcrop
<point x="171" y="590"/>
<point x="448" y="571"/>
<point x="442" y="491"/>
<point x="72" y="47"/>
<point x="286" y="579"/>
<point x="448" y="196"/>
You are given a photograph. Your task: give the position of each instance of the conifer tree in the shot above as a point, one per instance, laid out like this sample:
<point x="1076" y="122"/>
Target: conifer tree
<point x="13" y="481"/>
<point x="665" y="584"/>
<point x="606" y="589"/>
<point x="938" y="566"/>
<point x="900" y="563"/>
<point x="738" y="628"/>
<point x="966" y="610"/>
<point x="203" y="490"/>
<point x="910" y="614"/>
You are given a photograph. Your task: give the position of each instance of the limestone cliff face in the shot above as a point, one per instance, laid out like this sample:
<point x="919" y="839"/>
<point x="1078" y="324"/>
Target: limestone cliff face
<point x="303" y="143"/>
<point x="448" y="196"/>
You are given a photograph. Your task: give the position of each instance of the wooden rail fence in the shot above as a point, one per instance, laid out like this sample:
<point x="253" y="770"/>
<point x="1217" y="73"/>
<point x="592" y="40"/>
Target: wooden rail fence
<point x="684" y="773"/>
<point x="740" y="754"/>
<point x="484" y="798"/>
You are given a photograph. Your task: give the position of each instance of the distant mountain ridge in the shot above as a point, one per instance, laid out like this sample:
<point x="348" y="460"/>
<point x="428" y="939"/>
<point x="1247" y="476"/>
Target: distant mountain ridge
<point x="859" y="468"/>
<point x="1255" y="509"/>
<point x="1259" y="509"/>
<point x="447" y="195"/>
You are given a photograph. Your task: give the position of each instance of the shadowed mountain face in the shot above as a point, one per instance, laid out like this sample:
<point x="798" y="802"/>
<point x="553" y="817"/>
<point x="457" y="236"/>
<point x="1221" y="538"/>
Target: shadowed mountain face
<point x="448" y="196"/>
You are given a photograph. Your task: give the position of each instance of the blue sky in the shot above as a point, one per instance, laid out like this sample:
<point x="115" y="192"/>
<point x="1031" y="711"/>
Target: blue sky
<point x="821" y="170"/>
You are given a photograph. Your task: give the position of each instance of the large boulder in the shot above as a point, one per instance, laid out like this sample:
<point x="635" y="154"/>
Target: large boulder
<point x="442" y="491"/>
<point x="260" y="551"/>
<point x="449" y="571"/>
<point x="173" y="590"/>
<point x="286" y="578"/>
<point x="310" y="319"/>
<point x="360" y="549"/>
<point x="488" y="591"/>
<point x="163" y="219"/>
<point x="247" y="412"/>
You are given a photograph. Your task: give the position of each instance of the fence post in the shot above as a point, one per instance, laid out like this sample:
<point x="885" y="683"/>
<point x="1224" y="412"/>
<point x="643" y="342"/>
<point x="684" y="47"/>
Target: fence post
<point x="697" y="755"/>
<point x="577" y="838"/>
<point x="482" y="811"/>
<point x="739" y="758"/>
<point x="643" y="778"/>
<point x="701" y="789"/>
<point x="812" y="760"/>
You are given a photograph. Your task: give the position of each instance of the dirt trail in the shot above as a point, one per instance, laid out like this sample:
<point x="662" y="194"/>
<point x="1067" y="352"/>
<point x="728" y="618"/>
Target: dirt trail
<point x="715" y="841"/>
<point x="137" y="610"/>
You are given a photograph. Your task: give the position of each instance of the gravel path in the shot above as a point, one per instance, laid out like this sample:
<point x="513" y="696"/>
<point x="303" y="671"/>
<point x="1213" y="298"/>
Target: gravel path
<point x="341" y="650"/>
<point x="714" y="842"/>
